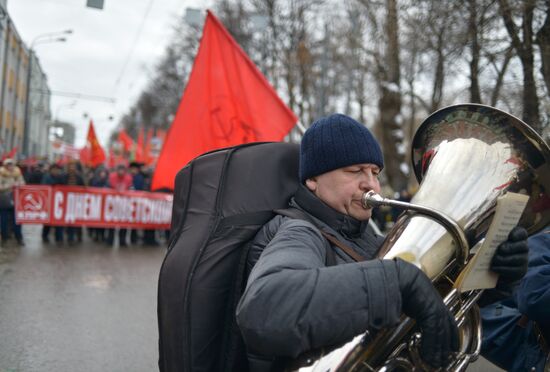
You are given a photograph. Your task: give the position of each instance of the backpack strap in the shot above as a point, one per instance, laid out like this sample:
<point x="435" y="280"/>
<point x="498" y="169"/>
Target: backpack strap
<point x="347" y="250"/>
<point x="331" y="257"/>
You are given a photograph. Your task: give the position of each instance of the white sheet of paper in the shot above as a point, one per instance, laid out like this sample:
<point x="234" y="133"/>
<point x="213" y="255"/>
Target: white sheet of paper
<point x="477" y="274"/>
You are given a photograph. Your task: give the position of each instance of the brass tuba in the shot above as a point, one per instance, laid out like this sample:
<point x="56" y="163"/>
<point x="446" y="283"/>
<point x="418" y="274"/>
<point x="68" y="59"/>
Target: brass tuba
<point x="464" y="157"/>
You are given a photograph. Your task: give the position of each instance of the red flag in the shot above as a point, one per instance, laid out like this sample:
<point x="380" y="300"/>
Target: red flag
<point x="138" y="155"/>
<point x="84" y="156"/>
<point x="227" y="102"/>
<point x="112" y="160"/>
<point x="92" y="153"/>
<point x="126" y="141"/>
<point x="10" y="155"/>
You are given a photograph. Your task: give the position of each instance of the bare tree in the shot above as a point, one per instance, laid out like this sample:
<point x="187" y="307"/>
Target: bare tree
<point x="486" y="49"/>
<point x="158" y="102"/>
<point x="385" y="54"/>
<point x="543" y="41"/>
<point x="500" y="73"/>
<point x="299" y="58"/>
<point x="286" y="51"/>
<point x="235" y="16"/>
<point x="524" y="50"/>
<point x="475" y="95"/>
<point x="410" y="70"/>
<point x="323" y="56"/>
<point x="355" y="61"/>
<point x="445" y="39"/>
<point x="268" y="39"/>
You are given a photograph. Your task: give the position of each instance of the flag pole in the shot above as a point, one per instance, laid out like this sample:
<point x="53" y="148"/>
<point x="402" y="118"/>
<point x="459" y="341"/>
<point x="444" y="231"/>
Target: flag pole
<point x="300" y="127"/>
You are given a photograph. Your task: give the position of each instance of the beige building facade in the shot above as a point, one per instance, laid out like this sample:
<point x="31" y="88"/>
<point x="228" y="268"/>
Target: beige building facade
<point x="14" y="74"/>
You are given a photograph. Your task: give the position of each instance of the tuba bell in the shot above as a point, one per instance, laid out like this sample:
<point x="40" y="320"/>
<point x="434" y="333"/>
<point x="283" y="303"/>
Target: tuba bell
<point x="464" y="157"/>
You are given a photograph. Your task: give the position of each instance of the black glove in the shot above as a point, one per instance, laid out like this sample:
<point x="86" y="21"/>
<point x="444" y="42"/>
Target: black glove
<point x="510" y="259"/>
<point x="422" y="302"/>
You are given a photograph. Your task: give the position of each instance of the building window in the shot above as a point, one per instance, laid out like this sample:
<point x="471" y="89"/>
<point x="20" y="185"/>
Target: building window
<point x="8" y="120"/>
<point x="11" y="78"/>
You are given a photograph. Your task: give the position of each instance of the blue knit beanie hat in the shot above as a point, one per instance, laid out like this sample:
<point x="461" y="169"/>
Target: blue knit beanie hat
<point x="334" y="142"/>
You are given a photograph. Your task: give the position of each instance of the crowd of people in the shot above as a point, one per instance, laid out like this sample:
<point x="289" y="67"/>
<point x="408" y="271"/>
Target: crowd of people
<point x="121" y="178"/>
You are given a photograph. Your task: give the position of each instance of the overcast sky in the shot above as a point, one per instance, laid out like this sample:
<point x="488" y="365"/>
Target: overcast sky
<point x="97" y="58"/>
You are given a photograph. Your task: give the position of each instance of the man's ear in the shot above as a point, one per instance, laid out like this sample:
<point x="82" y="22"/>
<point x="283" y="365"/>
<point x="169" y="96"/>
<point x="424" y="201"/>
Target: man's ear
<point x="311" y="184"/>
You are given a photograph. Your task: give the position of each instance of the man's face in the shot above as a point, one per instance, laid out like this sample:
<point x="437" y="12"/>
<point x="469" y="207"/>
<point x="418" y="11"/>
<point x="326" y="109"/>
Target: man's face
<point x="343" y="188"/>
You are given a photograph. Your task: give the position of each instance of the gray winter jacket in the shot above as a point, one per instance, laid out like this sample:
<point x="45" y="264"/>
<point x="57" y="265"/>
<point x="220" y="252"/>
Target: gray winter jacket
<point x="294" y="303"/>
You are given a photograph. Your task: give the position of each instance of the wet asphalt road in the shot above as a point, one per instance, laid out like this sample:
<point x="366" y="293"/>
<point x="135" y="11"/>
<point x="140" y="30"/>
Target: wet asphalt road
<point x="87" y="307"/>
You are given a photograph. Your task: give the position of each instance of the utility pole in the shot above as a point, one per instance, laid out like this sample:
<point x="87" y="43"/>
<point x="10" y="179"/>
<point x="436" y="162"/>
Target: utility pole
<point x="50" y="37"/>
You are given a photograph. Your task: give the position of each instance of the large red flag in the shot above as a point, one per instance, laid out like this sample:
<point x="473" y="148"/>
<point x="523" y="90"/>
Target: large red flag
<point x="94" y="153"/>
<point x="126" y="141"/>
<point x="227" y="102"/>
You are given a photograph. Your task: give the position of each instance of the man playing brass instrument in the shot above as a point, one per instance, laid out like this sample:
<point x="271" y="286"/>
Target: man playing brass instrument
<point x="305" y="291"/>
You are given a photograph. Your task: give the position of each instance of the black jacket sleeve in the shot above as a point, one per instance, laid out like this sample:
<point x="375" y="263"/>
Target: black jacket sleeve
<point x="293" y="303"/>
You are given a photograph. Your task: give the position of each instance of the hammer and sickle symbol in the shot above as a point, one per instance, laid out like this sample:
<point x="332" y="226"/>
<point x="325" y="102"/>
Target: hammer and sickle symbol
<point x="32" y="202"/>
<point x="250" y="134"/>
<point x="221" y="129"/>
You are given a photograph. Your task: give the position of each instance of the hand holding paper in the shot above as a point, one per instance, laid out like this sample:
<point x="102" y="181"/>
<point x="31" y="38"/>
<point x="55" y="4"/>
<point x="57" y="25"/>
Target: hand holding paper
<point x="482" y="272"/>
<point x="510" y="259"/>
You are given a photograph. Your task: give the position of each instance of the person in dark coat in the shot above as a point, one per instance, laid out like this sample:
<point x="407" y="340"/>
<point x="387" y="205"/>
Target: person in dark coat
<point x="55" y="176"/>
<point x="37" y="173"/>
<point x="99" y="179"/>
<point x="142" y="179"/>
<point x="138" y="184"/>
<point x="293" y="301"/>
<point x="516" y="330"/>
<point x="138" y="179"/>
<point x="74" y="178"/>
<point x="120" y="181"/>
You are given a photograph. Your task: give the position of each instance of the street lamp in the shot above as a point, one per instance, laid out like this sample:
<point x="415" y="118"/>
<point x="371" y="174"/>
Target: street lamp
<point x="49" y="37"/>
<point x="110" y="117"/>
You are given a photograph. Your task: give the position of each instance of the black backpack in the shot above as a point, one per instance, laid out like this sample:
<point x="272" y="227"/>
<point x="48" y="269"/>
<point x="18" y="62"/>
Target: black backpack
<point x="221" y="200"/>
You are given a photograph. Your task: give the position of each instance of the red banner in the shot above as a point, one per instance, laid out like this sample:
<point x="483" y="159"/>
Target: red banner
<point x="92" y="206"/>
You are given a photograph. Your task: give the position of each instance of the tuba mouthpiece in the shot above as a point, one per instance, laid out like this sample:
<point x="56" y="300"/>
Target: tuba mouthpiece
<point x="370" y="199"/>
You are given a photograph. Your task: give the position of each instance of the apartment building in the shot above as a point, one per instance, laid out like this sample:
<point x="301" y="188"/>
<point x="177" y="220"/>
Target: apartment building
<point x="14" y="75"/>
